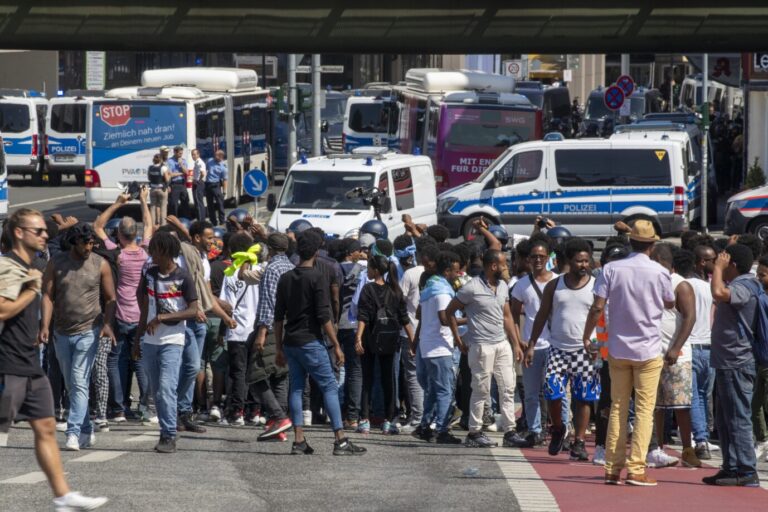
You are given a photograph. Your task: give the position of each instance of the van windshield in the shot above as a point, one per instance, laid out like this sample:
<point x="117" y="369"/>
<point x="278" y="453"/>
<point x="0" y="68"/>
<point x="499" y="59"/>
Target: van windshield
<point x="333" y="111"/>
<point x="368" y="118"/>
<point x="596" y="108"/>
<point x="14" y="118"/>
<point x="324" y="190"/>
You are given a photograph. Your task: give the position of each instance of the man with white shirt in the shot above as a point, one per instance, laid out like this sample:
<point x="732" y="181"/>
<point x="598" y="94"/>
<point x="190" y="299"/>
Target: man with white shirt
<point x="526" y="298"/>
<point x="198" y="183"/>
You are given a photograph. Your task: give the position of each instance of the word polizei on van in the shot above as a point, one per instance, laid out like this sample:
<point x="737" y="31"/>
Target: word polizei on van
<point x="330" y="192"/>
<point x="584" y="185"/>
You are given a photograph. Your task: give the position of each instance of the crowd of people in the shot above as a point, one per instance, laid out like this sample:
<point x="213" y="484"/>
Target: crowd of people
<point x="414" y="335"/>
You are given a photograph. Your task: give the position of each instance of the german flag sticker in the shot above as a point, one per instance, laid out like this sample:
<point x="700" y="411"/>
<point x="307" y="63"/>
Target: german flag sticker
<point x="660" y="154"/>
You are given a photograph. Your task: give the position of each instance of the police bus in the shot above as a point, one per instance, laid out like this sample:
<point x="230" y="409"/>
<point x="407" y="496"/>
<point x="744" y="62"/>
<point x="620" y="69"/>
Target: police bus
<point x="204" y="108"/>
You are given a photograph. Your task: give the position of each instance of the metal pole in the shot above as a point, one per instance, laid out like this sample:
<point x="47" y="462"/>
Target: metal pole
<point x="624" y="63"/>
<point x="316" y="110"/>
<point x="291" y="109"/>
<point x="704" y="144"/>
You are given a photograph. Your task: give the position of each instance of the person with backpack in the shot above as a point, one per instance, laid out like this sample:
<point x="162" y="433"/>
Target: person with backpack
<point x="381" y="312"/>
<point x="733" y="334"/>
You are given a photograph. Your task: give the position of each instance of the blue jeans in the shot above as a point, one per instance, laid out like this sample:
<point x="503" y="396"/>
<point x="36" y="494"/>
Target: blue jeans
<point x="440" y="376"/>
<point x="533" y="379"/>
<point x="118" y="365"/>
<point x="353" y="385"/>
<point x="312" y="359"/>
<point x="190" y="364"/>
<point x="734" y="418"/>
<point x="703" y="382"/>
<point x="161" y="364"/>
<point x="76" y="354"/>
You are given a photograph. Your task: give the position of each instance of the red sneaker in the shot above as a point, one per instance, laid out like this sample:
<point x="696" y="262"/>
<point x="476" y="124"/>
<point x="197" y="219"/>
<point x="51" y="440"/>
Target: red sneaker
<point x="277" y="427"/>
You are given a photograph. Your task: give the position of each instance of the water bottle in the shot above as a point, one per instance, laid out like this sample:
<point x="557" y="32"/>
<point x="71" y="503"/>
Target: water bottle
<point x="595" y="349"/>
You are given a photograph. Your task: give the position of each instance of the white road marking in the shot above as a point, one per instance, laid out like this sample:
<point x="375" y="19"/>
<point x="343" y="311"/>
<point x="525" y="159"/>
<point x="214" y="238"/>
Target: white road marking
<point x="41" y="201"/>
<point x="150" y="436"/>
<point x="530" y="490"/>
<point x="98" y="456"/>
<point x="30" y="478"/>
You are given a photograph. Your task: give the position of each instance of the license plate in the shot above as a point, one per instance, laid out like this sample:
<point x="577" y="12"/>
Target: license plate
<point x="64" y="158"/>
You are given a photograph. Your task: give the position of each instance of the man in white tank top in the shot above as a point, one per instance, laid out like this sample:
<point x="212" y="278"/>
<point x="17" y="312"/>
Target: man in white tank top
<point x="676" y="381"/>
<point x="564" y="307"/>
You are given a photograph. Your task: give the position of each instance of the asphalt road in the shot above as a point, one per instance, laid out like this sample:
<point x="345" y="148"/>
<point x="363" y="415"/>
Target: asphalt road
<point x="226" y="469"/>
<point x="69" y="199"/>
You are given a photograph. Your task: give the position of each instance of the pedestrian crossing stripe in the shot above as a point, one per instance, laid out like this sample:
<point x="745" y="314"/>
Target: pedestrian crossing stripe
<point x="660" y="154"/>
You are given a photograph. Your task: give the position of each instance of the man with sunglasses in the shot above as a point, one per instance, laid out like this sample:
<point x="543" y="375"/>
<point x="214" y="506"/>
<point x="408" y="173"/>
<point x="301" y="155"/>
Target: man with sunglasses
<point x="75" y="285"/>
<point x="24" y="389"/>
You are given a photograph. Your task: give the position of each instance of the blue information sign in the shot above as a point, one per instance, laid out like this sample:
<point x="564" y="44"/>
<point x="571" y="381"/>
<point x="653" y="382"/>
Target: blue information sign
<point x="255" y="183"/>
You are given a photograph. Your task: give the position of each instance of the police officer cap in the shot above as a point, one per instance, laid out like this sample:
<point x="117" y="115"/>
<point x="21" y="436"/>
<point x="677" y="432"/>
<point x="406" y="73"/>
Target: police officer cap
<point x="299" y="226"/>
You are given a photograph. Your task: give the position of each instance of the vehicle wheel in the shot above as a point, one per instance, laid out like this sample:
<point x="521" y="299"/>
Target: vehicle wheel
<point x="468" y="232"/>
<point x="37" y="179"/>
<point x="80" y="178"/>
<point x="54" y="179"/>
<point x="759" y="228"/>
<point x="656" y="226"/>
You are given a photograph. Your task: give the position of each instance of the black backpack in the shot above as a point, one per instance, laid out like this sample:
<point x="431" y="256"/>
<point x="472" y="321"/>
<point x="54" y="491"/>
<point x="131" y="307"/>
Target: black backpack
<point x="385" y="334"/>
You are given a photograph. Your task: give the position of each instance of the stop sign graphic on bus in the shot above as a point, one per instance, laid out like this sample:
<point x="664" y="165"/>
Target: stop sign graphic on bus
<point x="115" y="115"/>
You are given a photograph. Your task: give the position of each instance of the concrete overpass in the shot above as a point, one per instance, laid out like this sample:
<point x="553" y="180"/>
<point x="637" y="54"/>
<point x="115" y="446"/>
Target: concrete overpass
<point x="387" y="26"/>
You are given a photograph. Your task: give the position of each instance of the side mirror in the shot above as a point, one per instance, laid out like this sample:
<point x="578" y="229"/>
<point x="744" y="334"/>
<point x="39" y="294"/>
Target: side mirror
<point x="386" y="206"/>
<point x="498" y="180"/>
<point x="324" y="127"/>
<point x="271" y="202"/>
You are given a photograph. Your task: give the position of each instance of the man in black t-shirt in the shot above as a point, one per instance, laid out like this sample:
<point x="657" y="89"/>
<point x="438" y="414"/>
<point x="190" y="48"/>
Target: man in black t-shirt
<point x="24" y="388"/>
<point x="302" y="307"/>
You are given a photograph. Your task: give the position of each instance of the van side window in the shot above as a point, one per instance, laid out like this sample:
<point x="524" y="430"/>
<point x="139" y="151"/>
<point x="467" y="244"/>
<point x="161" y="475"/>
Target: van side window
<point x="640" y="167"/>
<point x="384" y="182"/>
<point x="583" y="168"/>
<point x="522" y="168"/>
<point x="403" y="188"/>
<point x="14" y="118"/>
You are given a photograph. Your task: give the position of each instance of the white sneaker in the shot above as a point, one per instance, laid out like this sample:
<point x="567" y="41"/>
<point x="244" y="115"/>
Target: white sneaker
<point x="214" y="414"/>
<point x="87" y="440"/>
<point x="598" y="459"/>
<point x="713" y="447"/>
<point x="72" y="444"/>
<point x="658" y="459"/>
<point x="307" y="418"/>
<point x="74" y="501"/>
<point x="238" y="422"/>
<point x="761" y="449"/>
<point x="61" y="426"/>
<point x="153" y="420"/>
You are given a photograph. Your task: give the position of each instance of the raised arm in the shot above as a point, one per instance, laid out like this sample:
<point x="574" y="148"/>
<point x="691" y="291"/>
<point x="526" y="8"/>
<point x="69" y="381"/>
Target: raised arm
<point x="101" y="220"/>
<point x="146" y="217"/>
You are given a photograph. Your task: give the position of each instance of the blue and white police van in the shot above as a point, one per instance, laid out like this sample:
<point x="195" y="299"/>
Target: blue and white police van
<point x="22" y="115"/>
<point x="747" y="212"/>
<point x="65" y="137"/>
<point x="584" y="185"/>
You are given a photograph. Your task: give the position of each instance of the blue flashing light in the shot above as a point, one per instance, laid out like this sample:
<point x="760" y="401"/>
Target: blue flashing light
<point x="358" y="93"/>
<point x="369" y="161"/>
<point x="417" y="151"/>
<point x="303" y="158"/>
<point x="60" y="92"/>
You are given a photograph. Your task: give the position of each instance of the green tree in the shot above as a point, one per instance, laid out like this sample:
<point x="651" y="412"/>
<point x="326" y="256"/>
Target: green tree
<point x="755" y="176"/>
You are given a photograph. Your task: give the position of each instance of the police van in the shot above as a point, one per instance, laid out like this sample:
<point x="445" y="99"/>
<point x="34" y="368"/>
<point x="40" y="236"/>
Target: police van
<point x="585" y="185"/>
<point x="747" y="212"/>
<point x="22" y="119"/>
<point x="338" y="192"/>
<point x="65" y="136"/>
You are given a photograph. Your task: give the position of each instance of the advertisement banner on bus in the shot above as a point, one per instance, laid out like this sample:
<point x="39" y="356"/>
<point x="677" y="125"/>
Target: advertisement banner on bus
<point x="473" y="138"/>
<point x="126" y="135"/>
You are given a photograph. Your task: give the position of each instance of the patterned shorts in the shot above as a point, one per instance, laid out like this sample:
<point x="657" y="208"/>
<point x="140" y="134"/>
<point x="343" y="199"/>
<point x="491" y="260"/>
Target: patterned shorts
<point x="675" y="386"/>
<point x="576" y="366"/>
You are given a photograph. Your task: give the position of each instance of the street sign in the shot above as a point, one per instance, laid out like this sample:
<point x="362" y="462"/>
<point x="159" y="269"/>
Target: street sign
<point x="323" y="69"/>
<point x="514" y="68"/>
<point x="626" y="84"/>
<point x="255" y="182"/>
<point x="95" y="71"/>
<point x="567" y="75"/>
<point x="626" y="108"/>
<point x="613" y="97"/>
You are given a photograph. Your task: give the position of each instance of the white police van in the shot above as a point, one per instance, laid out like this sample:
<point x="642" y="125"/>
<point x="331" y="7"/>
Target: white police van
<point x="747" y="212"/>
<point x="584" y="185"/>
<point x="335" y="192"/>
<point x="65" y="135"/>
<point x="22" y="115"/>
